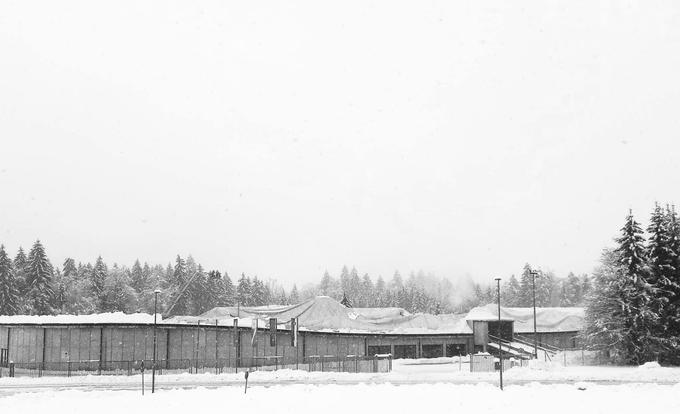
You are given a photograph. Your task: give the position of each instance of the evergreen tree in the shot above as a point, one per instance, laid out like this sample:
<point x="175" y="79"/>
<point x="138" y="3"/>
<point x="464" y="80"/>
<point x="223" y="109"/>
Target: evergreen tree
<point x="294" y="297"/>
<point x="354" y="287"/>
<point x="20" y="264"/>
<point x="98" y="284"/>
<point x="179" y="281"/>
<point x="243" y="291"/>
<point x="661" y="258"/>
<point x="138" y="278"/>
<point x="229" y="297"/>
<point x="526" y="294"/>
<point x="511" y="292"/>
<point x="620" y="313"/>
<point x="119" y="295"/>
<point x="61" y="288"/>
<point x="39" y="281"/>
<point x="9" y="291"/>
<point x="326" y="284"/>
<point x="367" y="293"/>
<point x="344" y="280"/>
<point x="571" y="291"/>
<point x="380" y="292"/>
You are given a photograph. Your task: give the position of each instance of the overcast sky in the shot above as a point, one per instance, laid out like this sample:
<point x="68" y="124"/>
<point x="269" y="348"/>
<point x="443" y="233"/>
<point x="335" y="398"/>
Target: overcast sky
<point x="283" y="138"/>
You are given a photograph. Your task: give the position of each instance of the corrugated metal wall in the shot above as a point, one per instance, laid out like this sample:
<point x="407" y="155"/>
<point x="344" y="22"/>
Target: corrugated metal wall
<point x="190" y="343"/>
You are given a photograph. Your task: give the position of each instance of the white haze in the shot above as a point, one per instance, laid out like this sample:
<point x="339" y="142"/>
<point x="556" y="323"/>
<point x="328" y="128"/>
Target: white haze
<point x="281" y="139"/>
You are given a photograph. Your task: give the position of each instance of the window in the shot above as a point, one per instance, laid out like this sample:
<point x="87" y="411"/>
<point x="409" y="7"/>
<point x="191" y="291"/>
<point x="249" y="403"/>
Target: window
<point x="432" y="351"/>
<point x="404" y="351"/>
<point x="379" y="349"/>
<point x="455" y="350"/>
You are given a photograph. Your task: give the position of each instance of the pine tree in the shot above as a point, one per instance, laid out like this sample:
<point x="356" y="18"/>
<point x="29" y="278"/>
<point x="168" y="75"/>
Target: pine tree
<point x="20" y="263"/>
<point x="571" y="291"/>
<point x="326" y="284"/>
<point x="119" y="295"/>
<point x="661" y="257"/>
<point x="178" y="283"/>
<point x="344" y="280"/>
<point x="620" y="313"/>
<point x="98" y="284"/>
<point x="61" y="289"/>
<point x="39" y="281"/>
<point x="229" y="297"/>
<point x="380" y="292"/>
<point x="9" y="291"/>
<point x="243" y="291"/>
<point x="670" y="290"/>
<point x="294" y="297"/>
<point x="354" y="287"/>
<point x="526" y="292"/>
<point x="511" y="292"/>
<point x="367" y="292"/>
<point x="138" y="278"/>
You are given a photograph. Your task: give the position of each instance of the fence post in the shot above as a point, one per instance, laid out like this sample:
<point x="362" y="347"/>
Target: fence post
<point x="583" y="358"/>
<point x="69" y="369"/>
<point x="11" y="369"/>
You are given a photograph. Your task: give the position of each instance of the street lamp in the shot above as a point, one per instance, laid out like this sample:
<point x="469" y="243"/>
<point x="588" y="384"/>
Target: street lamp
<point x="533" y="289"/>
<point x="153" y="367"/>
<point x="500" y="341"/>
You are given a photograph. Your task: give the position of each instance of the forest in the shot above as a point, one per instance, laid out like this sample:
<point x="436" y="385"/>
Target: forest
<point x="31" y="284"/>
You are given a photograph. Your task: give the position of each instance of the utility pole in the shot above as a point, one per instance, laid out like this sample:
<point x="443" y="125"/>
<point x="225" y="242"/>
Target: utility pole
<point x="533" y="289"/>
<point x="500" y="340"/>
<point x="153" y="366"/>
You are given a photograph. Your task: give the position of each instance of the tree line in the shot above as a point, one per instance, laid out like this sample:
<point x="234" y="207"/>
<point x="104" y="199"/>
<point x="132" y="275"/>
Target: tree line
<point x="550" y="290"/>
<point x="30" y="284"/>
<point x="633" y="310"/>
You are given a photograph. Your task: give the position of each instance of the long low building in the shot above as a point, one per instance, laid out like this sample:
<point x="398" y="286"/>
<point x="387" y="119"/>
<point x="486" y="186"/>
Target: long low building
<point x="318" y="329"/>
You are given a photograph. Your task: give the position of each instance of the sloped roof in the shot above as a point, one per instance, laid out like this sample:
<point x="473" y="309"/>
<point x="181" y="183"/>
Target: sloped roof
<point x="547" y="319"/>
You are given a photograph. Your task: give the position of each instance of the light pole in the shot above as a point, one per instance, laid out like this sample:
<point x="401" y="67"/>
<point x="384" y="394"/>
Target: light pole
<point x="153" y="366"/>
<point x="533" y="289"/>
<point x="500" y="341"/>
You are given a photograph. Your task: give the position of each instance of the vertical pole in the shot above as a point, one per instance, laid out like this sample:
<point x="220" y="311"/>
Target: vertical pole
<point x="533" y="289"/>
<point x="153" y="365"/>
<point x="500" y="341"/>
<point x="216" y="348"/>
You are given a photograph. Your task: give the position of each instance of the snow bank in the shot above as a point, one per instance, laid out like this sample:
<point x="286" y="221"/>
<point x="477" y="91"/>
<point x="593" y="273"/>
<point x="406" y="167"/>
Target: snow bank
<point x="650" y="365"/>
<point x="111" y="317"/>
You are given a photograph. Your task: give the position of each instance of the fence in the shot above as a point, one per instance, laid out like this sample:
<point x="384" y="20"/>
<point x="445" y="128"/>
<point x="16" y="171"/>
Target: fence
<point x="323" y="363"/>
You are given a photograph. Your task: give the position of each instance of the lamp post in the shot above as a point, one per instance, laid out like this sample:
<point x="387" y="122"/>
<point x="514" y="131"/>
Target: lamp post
<point x="153" y="366"/>
<point x="500" y="340"/>
<point x="533" y="289"/>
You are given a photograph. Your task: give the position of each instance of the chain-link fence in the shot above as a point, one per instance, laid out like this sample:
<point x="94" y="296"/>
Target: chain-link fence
<point x="322" y="363"/>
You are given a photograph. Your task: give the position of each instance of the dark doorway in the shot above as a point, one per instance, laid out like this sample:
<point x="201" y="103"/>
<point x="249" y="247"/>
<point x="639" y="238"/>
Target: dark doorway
<point x="378" y="349"/>
<point x="455" y="350"/>
<point x="506" y="330"/>
<point x="404" y="351"/>
<point x="433" y="351"/>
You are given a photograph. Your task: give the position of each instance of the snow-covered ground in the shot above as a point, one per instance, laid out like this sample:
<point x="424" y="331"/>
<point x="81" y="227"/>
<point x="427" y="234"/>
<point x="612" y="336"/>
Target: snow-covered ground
<point x="378" y="398"/>
<point x="404" y="372"/>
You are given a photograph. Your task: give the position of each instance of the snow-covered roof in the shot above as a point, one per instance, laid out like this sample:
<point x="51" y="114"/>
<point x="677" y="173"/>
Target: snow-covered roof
<point x="112" y="317"/>
<point x="547" y="319"/>
<point x="325" y="314"/>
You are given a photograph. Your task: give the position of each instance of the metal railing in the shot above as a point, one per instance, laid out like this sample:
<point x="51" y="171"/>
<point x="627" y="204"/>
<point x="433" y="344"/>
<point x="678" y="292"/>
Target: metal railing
<point x="323" y="363"/>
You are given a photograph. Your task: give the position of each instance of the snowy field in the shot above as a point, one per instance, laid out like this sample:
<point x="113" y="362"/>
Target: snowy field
<point x="405" y="372"/>
<point x="413" y="386"/>
<point x="377" y="398"/>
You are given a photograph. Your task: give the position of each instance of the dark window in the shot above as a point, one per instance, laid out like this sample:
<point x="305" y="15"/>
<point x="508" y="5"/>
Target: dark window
<point x="432" y="351"/>
<point x="378" y="349"/>
<point x="455" y="349"/>
<point x="404" y="351"/>
<point x="506" y="330"/>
